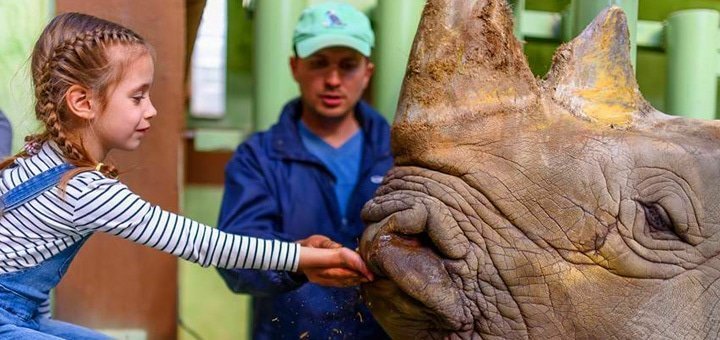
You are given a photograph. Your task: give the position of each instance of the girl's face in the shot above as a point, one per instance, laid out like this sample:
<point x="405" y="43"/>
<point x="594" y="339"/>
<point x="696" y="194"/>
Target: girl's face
<point x="126" y="116"/>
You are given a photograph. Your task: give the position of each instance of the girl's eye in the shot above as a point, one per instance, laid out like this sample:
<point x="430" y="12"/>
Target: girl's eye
<point x="138" y="99"/>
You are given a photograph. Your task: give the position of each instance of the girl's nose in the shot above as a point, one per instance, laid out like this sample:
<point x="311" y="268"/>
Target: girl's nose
<point x="151" y="112"/>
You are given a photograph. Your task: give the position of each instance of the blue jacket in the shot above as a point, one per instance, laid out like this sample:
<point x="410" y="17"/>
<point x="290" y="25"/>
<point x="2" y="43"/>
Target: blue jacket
<point x="274" y="188"/>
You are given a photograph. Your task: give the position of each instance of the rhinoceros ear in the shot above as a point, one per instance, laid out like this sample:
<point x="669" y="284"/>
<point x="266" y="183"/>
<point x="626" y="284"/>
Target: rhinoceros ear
<point x="592" y="76"/>
<point x="465" y="62"/>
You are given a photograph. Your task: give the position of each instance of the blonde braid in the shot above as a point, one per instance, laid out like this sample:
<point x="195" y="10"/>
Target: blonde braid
<point x="46" y="107"/>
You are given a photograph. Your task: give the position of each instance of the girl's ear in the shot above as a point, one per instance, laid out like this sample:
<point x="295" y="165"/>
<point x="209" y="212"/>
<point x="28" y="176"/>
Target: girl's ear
<point x="79" y="101"/>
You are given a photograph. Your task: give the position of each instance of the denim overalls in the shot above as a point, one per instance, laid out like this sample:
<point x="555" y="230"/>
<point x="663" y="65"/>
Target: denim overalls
<point x="22" y="292"/>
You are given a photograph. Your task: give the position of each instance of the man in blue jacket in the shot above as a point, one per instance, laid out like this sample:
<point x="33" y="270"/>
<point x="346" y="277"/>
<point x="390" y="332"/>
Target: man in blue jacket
<point x="309" y="175"/>
<point x="5" y="136"/>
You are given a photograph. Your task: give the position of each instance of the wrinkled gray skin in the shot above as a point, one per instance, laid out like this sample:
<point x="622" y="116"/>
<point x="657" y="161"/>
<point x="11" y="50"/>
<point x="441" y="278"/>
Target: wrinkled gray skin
<point x="565" y="207"/>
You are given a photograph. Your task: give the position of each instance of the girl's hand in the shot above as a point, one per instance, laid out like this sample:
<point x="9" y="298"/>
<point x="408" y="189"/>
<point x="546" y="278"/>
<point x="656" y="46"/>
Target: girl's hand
<point x="338" y="267"/>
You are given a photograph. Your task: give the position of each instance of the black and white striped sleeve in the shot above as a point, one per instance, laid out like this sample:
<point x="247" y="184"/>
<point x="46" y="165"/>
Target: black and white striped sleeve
<point x="45" y="310"/>
<point x="108" y="206"/>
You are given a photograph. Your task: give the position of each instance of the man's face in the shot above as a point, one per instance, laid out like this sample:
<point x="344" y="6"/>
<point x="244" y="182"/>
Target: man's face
<point x="331" y="80"/>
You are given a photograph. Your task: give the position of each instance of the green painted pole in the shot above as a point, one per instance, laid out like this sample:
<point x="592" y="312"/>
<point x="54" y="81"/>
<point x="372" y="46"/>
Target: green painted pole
<point x="396" y="23"/>
<point x="567" y="26"/>
<point x="274" y="21"/>
<point x="584" y="12"/>
<point x="518" y="7"/>
<point x="692" y="52"/>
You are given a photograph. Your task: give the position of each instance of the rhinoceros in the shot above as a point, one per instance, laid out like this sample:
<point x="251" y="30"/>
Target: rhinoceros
<point x="562" y="207"/>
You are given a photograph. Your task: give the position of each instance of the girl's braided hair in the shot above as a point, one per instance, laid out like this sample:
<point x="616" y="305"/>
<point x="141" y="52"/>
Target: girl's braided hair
<point x="74" y="50"/>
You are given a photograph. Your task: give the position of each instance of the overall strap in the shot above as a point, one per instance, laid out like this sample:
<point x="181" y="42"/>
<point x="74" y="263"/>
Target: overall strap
<point x="33" y="187"/>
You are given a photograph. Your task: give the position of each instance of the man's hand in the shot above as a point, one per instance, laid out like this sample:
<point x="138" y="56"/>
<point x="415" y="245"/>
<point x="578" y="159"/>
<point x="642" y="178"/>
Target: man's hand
<point x="319" y="241"/>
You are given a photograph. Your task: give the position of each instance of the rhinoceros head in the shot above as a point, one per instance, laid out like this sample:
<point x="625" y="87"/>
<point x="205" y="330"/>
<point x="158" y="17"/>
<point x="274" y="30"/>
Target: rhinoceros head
<point x="524" y="208"/>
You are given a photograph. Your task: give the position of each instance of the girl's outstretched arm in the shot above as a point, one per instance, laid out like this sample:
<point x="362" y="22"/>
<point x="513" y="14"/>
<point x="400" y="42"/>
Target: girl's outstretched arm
<point x="106" y="205"/>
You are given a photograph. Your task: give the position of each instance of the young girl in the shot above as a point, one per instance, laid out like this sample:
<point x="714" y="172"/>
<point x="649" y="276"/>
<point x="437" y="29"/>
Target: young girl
<point x="92" y="80"/>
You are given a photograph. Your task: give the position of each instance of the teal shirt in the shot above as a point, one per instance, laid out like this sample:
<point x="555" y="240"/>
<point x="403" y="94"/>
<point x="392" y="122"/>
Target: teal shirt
<point x="343" y="162"/>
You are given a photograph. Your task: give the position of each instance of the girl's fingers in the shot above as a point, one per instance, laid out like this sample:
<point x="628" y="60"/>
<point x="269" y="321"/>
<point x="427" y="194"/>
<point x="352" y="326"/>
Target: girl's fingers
<point x="355" y="262"/>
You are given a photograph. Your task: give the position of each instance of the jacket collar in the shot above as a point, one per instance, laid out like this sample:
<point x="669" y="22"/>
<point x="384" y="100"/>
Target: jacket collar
<point x="287" y="143"/>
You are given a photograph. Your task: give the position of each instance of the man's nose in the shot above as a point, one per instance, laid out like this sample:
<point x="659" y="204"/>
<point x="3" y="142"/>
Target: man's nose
<point x="332" y="78"/>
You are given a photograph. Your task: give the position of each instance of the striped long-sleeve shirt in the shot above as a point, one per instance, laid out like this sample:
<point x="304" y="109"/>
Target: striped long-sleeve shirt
<point x="49" y="223"/>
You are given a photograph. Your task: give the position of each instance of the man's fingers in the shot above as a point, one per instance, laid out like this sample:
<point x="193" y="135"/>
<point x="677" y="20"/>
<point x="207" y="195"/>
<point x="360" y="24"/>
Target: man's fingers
<point x="319" y="241"/>
<point x="339" y="283"/>
<point x="330" y="244"/>
<point x="339" y="274"/>
<point x="314" y="241"/>
<point x="337" y="277"/>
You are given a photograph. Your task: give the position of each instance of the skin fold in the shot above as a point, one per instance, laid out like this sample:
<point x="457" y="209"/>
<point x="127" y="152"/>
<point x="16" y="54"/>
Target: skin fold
<point x="562" y="207"/>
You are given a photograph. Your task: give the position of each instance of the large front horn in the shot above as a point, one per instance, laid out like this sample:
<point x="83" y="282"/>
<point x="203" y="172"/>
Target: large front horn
<point x="465" y="61"/>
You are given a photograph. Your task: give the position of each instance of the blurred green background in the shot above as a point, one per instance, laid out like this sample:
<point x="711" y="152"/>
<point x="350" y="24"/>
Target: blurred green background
<point x="207" y="308"/>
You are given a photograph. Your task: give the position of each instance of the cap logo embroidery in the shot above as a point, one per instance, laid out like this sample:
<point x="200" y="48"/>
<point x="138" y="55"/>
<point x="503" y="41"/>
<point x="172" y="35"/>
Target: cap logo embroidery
<point x="333" y="20"/>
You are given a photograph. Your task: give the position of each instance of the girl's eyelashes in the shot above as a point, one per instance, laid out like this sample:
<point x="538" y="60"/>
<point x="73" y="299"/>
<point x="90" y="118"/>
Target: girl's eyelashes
<point x="139" y="93"/>
<point x="138" y="98"/>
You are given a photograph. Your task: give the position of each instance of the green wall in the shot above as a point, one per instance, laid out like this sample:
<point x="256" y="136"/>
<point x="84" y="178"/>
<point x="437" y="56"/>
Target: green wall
<point x="239" y="105"/>
<point x="656" y="10"/>
<point x="651" y="63"/>
<point x="208" y="309"/>
<point x="20" y="24"/>
<point x="239" y="63"/>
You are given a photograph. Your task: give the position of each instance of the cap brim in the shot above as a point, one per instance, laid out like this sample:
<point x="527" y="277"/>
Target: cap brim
<point x="309" y="46"/>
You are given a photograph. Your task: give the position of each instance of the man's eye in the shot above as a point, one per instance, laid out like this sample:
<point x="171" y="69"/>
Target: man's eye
<point x="317" y="64"/>
<point x="349" y="66"/>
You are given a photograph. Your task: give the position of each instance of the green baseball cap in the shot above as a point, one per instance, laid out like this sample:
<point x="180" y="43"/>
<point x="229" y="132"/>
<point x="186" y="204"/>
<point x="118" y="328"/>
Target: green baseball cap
<point x="332" y="24"/>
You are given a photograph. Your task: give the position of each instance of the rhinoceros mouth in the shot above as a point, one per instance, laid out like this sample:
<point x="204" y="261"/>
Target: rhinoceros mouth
<point x="410" y="266"/>
<point x="402" y="316"/>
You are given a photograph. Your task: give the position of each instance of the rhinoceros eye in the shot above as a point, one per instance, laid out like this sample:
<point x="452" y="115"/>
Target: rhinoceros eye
<point x="659" y="223"/>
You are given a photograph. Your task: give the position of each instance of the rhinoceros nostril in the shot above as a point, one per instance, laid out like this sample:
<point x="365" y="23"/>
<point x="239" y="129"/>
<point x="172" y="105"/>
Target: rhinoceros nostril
<point x="428" y="224"/>
<point x="421" y="221"/>
<point x="421" y="240"/>
<point x="409" y="229"/>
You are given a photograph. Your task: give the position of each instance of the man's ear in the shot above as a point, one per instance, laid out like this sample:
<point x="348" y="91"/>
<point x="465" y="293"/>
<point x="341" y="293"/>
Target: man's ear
<point x="294" y="60"/>
<point x="78" y="100"/>
<point x="369" y="71"/>
<point x="370" y="68"/>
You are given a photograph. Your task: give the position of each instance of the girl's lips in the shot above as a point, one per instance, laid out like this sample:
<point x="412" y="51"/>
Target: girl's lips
<point x="143" y="130"/>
